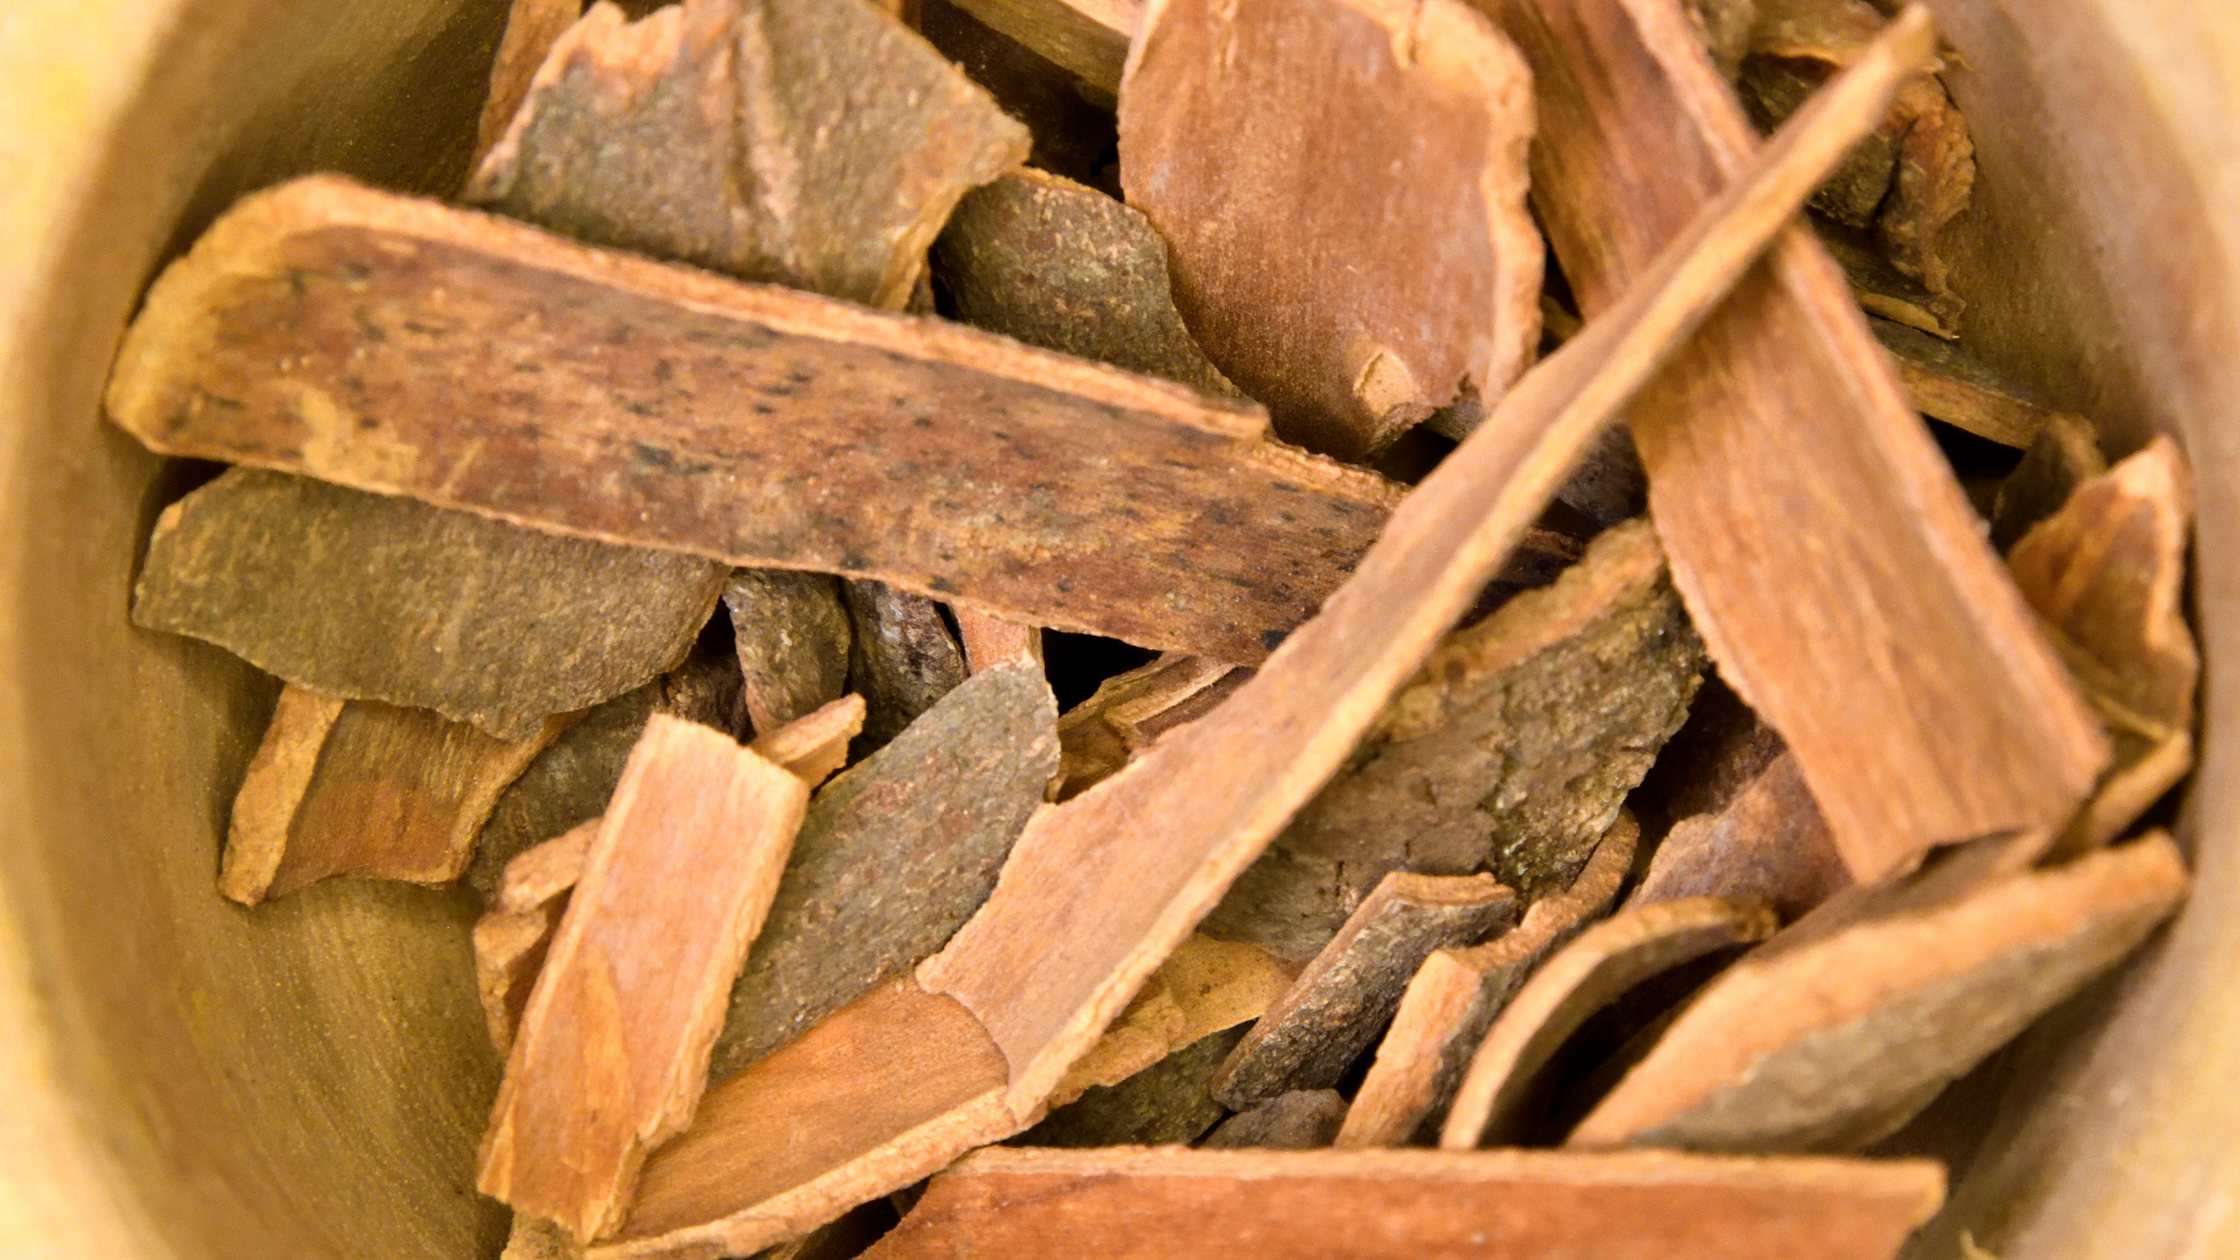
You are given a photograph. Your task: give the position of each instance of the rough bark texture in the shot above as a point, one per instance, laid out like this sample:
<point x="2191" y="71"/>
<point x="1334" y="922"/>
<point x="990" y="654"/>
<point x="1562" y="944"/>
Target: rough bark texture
<point x="1301" y="1120"/>
<point x="1768" y="842"/>
<point x="901" y="658"/>
<point x="1064" y="267"/>
<point x="369" y="597"/>
<point x="2065" y="454"/>
<point x="392" y="793"/>
<point x="894" y="856"/>
<point x="611" y="1057"/>
<point x="1835" y="1042"/>
<point x="1171" y="1101"/>
<point x="793" y="639"/>
<point x="1512" y="750"/>
<point x="812" y="143"/>
<point x="481" y="364"/>
<point x="1343" y="999"/>
<point x="1341" y="184"/>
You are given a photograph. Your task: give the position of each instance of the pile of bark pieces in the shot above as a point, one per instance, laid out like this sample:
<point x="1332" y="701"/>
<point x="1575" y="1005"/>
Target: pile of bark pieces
<point x="661" y="536"/>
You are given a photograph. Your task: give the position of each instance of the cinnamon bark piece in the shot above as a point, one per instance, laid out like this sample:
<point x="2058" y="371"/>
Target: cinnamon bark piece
<point x="359" y="787"/>
<point x="1087" y="37"/>
<point x="1070" y="119"/>
<point x="1064" y="267"/>
<point x="1302" y="1120"/>
<point x="736" y="135"/>
<point x="1169" y="1102"/>
<point x="902" y="657"/>
<point x="1511" y="749"/>
<point x="369" y="597"/>
<point x="893" y="857"/>
<point x="2065" y="454"/>
<point x="532" y="28"/>
<point x="1946" y="384"/>
<point x="534" y="1238"/>
<point x="1457" y="994"/>
<point x="1769" y="842"/>
<point x="611" y="1057"/>
<point x="1006" y="1204"/>
<point x="1203" y="987"/>
<point x="488" y="377"/>
<point x="1782" y="424"/>
<point x="1591" y="972"/>
<point x="1353" y="317"/>
<point x="510" y="939"/>
<point x="1099" y="890"/>
<point x="1102" y="734"/>
<point x="989" y="641"/>
<point x="1343" y="999"/>
<point x="1839" y="1040"/>
<point x="793" y="640"/>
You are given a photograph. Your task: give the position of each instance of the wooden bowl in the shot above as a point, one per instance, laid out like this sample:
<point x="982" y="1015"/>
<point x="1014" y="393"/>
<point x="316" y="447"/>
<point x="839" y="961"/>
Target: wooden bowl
<point x="179" y="1078"/>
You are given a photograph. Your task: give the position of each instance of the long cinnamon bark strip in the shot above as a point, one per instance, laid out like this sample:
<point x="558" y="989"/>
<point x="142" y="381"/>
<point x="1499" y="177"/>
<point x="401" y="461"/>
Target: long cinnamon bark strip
<point x="611" y="1057"/>
<point x="519" y="375"/>
<point x="1352" y="316"/>
<point x="1866" y="587"/>
<point x="375" y="598"/>
<point x="363" y="788"/>
<point x="1136" y="1204"/>
<point x="1342" y="999"/>
<point x="1457" y="994"/>
<point x="1099" y="890"/>
<point x="1839" y="1040"/>
<point x="1590" y="973"/>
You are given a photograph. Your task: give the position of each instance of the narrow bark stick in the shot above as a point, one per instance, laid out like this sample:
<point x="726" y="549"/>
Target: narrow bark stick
<point x="1302" y="1120"/>
<point x="1588" y="974"/>
<point x="375" y="598"/>
<point x="611" y="1057"/>
<point x="1089" y="38"/>
<point x="1837" y="1040"/>
<point x="1007" y="1204"/>
<point x="1046" y="490"/>
<point x="1784" y="425"/>
<point x="1100" y="890"/>
<point x="1342" y="1000"/>
<point x="1457" y="994"/>
<point x="1945" y="384"/>
<point x="1351" y="317"/>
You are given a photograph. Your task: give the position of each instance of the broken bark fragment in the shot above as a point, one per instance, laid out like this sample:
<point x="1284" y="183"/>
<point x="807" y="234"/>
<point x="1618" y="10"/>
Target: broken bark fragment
<point x="1782" y="424"/>
<point x="1006" y="1204"/>
<point x="363" y="788"/>
<point x="814" y="747"/>
<point x="738" y="135"/>
<point x="793" y="640"/>
<point x="1511" y="750"/>
<point x="1302" y="1120"/>
<point x="1351" y="317"/>
<point x="1591" y="972"/>
<point x="1456" y="995"/>
<point x="2065" y="454"/>
<point x="1838" y="1040"/>
<point x="1071" y="121"/>
<point x="1087" y="37"/>
<point x="1769" y="842"/>
<point x="1043" y="489"/>
<point x="1946" y="384"/>
<point x="369" y="597"/>
<point x="1098" y="891"/>
<point x="532" y="28"/>
<point x="1343" y="999"/>
<point x="611" y="1056"/>
<point x="1102" y="734"/>
<point x="991" y="641"/>
<point x="1203" y="987"/>
<point x="893" y="857"/>
<point x="1065" y="267"/>
<point x="902" y="658"/>
<point x="1171" y="1101"/>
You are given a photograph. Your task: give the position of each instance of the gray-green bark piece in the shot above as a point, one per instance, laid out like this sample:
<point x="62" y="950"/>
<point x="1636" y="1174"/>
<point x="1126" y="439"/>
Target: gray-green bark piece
<point x="1511" y="751"/>
<point x="1062" y="266"/>
<point x="1345" y="997"/>
<point x="792" y="634"/>
<point x="1168" y="1102"/>
<point x="813" y="143"/>
<point x="1302" y="1120"/>
<point x="896" y="853"/>
<point x="901" y="660"/>
<point x="373" y="597"/>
